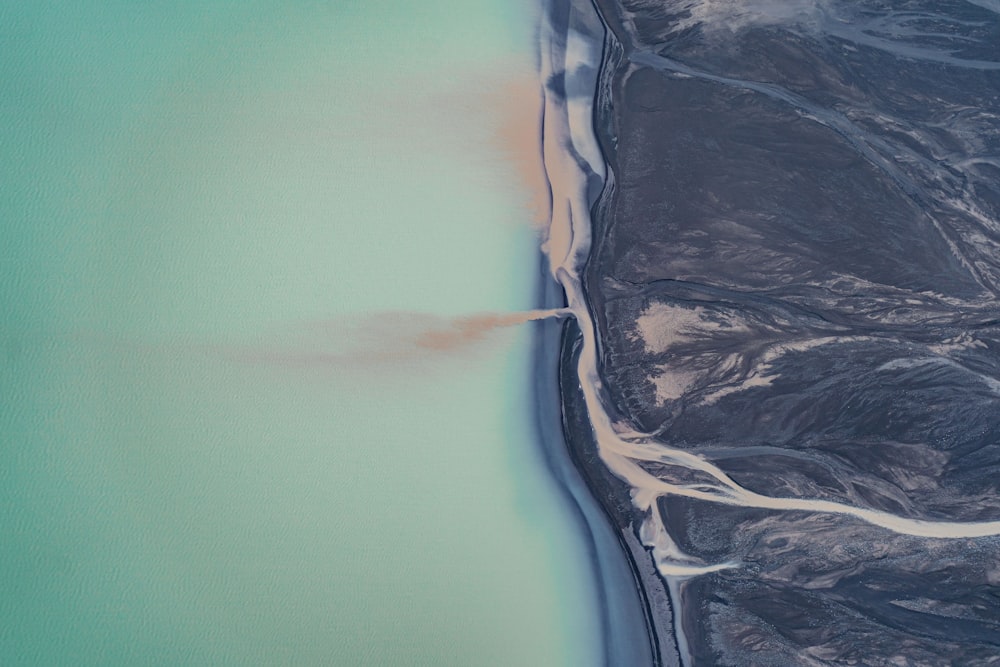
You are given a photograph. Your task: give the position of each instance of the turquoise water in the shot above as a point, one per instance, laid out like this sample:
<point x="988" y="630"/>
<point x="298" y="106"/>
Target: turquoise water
<point x="205" y="206"/>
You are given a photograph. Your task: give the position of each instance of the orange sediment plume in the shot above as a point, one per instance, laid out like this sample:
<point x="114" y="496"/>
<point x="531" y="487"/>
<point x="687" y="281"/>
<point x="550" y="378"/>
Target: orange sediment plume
<point x="466" y="330"/>
<point x="493" y="116"/>
<point x="516" y="105"/>
<point x="388" y="339"/>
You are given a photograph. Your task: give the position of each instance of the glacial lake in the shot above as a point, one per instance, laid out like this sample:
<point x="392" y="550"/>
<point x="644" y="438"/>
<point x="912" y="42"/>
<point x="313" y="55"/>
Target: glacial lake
<point x="221" y="220"/>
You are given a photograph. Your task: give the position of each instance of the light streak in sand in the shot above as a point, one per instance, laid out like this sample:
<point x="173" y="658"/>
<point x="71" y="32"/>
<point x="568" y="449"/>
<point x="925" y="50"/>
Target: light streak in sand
<point x="568" y="140"/>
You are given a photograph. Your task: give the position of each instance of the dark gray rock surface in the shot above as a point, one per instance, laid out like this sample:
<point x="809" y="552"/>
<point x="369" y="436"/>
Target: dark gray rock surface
<point x="795" y="272"/>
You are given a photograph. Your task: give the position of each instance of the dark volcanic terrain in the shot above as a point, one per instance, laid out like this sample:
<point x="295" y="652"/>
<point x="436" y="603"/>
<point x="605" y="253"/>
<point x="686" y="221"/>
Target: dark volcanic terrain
<point x="794" y="274"/>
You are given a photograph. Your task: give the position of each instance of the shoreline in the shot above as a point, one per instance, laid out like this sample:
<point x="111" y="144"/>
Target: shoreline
<point x="625" y="576"/>
<point x="613" y="497"/>
<point x="624" y="616"/>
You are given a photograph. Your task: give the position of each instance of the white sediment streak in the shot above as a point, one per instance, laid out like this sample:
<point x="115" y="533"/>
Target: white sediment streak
<point x="569" y="147"/>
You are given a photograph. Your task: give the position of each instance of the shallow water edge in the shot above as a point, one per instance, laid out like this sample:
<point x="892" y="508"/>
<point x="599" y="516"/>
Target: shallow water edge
<point x="573" y="44"/>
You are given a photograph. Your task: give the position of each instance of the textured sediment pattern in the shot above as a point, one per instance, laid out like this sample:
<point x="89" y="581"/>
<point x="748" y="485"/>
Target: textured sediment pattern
<point x="792" y="282"/>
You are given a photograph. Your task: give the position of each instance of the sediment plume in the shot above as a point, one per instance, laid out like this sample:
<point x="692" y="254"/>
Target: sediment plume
<point x="388" y="338"/>
<point x="463" y="331"/>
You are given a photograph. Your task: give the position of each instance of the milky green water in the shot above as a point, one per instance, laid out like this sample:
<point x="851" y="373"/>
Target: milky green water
<point x="198" y="200"/>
